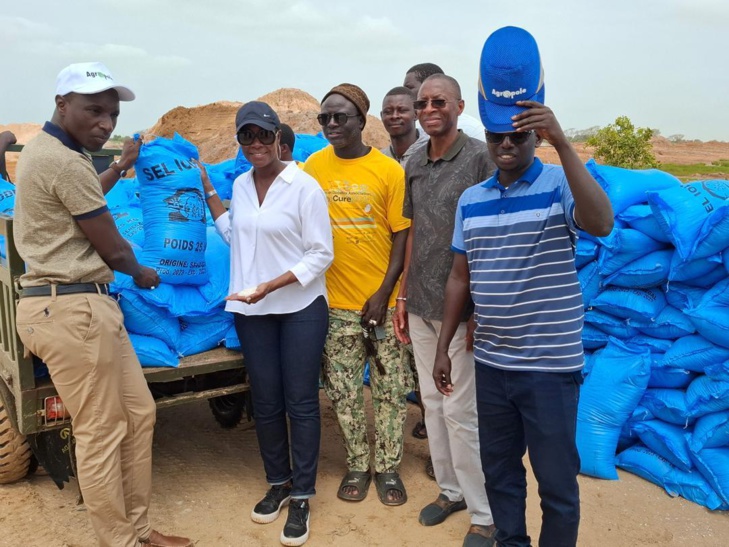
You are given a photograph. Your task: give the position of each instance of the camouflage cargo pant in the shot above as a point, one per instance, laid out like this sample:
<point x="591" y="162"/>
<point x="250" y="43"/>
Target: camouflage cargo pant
<point x="343" y="374"/>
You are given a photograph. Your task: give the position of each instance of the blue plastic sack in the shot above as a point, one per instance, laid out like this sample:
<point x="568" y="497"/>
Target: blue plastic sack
<point x="628" y="437"/>
<point x="639" y="304"/>
<point x="694" y="270"/>
<point x="622" y="247"/>
<point x="692" y="486"/>
<point x="129" y="222"/>
<point x="666" y="440"/>
<point x="586" y="251"/>
<point x="590" y="283"/>
<point x="609" y="396"/>
<point x="122" y="194"/>
<point x="718" y="371"/>
<point x="713" y="464"/>
<point x="646" y="272"/>
<point x="222" y="176"/>
<point x="198" y="334"/>
<point x="626" y="187"/>
<point x="695" y="353"/>
<point x="670" y="324"/>
<point x="7" y="207"/>
<point x="668" y="405"/>
<point x="682" y="296"/>
<point x="712" y="322"/>
<point x="705" y="396"/>
<point x="710" y="431"/>
<point x="592" y="337"/>
<point x="656" y="345"/>
<point x="695" y="215"/>
<point x="153" y="352"/>
<point x="614" y="326"/>
<point x="174" y="211"/>
<point x="306" y="145"/>
<point x="640" y="217"/>
<point x="140" y="317"/>
<point x="670" y="377"/>
<point x="231" y="339"/>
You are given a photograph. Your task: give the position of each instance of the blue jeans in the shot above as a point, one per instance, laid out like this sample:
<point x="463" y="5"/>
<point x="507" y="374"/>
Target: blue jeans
<point x="537" y="410"/>
<point x="282" y="355"/>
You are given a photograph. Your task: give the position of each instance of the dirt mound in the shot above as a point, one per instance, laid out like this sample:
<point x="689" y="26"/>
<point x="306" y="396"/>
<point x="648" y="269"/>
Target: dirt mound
<point x="24" y="132"/>
<point x="211" y="127"/>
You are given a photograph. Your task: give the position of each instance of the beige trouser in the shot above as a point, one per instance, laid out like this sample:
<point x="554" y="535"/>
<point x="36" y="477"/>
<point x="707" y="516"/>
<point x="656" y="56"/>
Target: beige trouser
<point x="82" y="339"/>
<point x="452" y="422"/>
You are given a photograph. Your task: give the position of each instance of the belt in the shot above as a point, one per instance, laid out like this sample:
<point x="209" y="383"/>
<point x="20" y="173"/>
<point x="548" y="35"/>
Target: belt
<point x="71" y="288"/>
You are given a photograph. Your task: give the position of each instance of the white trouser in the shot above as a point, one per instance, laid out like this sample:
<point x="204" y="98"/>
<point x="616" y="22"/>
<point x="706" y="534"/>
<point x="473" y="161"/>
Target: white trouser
<point x="452" y="422"/>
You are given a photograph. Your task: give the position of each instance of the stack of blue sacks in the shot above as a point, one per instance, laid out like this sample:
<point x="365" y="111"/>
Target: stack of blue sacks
<point x="655" y="400"/>
<point x="162" y="213"/>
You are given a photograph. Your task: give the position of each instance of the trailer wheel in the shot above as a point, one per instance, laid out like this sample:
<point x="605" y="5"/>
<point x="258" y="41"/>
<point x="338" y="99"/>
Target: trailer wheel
<point x="15" y="454"/>
<point x="228" y="409"/>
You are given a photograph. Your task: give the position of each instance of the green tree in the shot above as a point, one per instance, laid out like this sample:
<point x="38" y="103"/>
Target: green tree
<point x="623" y="145"/>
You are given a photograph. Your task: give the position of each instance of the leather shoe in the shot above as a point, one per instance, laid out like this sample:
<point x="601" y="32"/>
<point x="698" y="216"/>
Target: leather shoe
<point x="480" y="535"/>
<point x="156" y="539"/>
<point x="436" y="512"/>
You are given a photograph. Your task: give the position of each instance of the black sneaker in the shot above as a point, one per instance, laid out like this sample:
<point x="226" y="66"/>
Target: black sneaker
<point x="296" y="530"/>
<point x="269" y="507"/>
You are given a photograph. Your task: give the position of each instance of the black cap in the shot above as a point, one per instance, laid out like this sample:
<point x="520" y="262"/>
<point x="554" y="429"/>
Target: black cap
<point x="257" y="113"/>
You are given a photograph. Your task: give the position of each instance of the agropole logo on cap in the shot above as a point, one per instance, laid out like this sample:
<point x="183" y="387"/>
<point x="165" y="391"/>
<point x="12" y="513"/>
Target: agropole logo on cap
<point x="510" y="71"/>
<point x="89" y="79"/>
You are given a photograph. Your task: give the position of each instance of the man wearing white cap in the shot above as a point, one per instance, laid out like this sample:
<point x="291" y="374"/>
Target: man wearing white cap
<point x="69" y="242"/>
<point x="514" y="249"/>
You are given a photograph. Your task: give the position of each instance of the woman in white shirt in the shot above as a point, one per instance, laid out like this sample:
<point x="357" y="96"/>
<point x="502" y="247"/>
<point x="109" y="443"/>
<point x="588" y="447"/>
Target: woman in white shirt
<point x="281" y="245"/>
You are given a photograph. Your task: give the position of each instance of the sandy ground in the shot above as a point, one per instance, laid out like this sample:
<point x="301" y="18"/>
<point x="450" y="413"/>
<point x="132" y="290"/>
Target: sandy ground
<point x="206" y="480"/>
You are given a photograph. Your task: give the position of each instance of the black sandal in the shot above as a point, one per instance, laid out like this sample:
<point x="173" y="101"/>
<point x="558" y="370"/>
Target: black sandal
<point x="386" y="482"/>
<point x="359" y="480"/>
<point x="420" y="431"/>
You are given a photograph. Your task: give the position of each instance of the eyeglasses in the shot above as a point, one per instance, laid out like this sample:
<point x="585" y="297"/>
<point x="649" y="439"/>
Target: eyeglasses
<point x="435" y="103"/>
<point x="517" y="137"/>
<point x="340" y="118"/>
<point x="264" y="136"/>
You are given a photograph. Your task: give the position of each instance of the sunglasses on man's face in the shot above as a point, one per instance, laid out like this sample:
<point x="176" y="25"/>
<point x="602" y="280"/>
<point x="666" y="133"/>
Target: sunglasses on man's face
<point x="516" y="138"/>
<point x="264" y="136"/>
<point x="340" y="118"/>
<point x="435" y="103"/>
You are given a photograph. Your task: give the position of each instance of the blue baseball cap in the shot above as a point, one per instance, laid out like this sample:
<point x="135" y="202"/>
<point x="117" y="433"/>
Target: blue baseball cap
<point x="510" y="70"/>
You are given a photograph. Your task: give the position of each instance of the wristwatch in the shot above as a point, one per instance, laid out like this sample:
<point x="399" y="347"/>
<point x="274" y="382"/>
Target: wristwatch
<point x="119" y="171"/>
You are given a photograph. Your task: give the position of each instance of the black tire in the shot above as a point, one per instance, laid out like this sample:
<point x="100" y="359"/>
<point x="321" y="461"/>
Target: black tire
<point x="228" y="409"/>
<point x="15" y="454"/>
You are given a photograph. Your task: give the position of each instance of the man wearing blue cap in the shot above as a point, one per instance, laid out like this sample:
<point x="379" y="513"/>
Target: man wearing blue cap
<point x="513" y="246"/>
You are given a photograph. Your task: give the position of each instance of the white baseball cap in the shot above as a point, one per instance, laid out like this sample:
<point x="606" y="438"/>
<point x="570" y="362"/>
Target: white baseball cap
<point x="89" y="78"/>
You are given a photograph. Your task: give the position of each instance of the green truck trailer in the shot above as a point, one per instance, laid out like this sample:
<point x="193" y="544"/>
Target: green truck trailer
<point x="36" y="430"/>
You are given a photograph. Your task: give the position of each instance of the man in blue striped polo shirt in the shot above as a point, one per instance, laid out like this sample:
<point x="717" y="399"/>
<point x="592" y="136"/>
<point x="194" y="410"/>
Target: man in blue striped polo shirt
<point x="513" y="244"/>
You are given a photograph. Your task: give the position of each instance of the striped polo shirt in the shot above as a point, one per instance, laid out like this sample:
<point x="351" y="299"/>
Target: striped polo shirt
<point x="520" y="245"/>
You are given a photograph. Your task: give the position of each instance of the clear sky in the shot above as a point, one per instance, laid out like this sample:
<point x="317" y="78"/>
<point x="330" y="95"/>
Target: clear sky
<point x="663" y="63"/>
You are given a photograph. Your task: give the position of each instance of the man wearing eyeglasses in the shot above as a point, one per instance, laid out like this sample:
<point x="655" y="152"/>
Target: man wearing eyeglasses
<point x="514" y="245"/>
<point x="415" y="77"/>
<point x="437" y="174"/>
<point x="365" y="193"/>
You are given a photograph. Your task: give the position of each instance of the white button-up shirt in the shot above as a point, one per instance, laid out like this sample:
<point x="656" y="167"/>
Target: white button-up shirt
<point x="289" y="231"/>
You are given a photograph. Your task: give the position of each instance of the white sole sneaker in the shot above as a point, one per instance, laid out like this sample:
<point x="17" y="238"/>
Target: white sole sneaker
<point x="270" y="517"/>
<point x="295" y="542"/>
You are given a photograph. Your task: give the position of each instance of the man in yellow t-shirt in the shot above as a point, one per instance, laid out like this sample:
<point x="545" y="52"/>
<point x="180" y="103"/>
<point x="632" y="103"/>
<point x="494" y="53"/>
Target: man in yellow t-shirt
<point x="365" y="190"/>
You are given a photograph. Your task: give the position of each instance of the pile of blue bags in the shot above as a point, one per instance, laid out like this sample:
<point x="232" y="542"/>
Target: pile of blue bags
<point x="162" y="213"/>
<point x="655" y="400"/>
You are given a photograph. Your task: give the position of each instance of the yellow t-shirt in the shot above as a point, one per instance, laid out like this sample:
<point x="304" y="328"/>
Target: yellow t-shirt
<point x="365" y="198"/>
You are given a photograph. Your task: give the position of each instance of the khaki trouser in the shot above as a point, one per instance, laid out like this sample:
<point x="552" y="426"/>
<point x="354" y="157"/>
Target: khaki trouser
<point x="82" y="339"/>
<point x="452" y="422"/>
